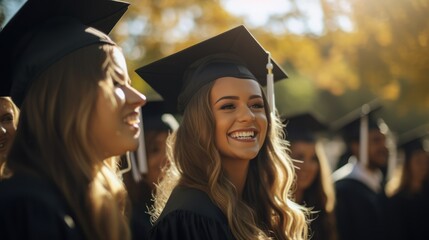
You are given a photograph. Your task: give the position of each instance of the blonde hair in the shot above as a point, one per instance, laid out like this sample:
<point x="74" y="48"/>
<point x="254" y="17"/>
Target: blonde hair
<point x="265" y="211"/>
<point x="15" y="110"/>
<point x="52" y="141"/>
<point x="4" y="172"/>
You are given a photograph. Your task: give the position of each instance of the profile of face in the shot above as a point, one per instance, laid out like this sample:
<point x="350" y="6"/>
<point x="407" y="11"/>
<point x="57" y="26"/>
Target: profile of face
<point x="115" y="122"/>
<point x="308" y="165"/>
<point x="240" y="119"/>
<point x="378" y="153"/>
<point x="156" y="154"/>
<point x="419" y="166"/>
<point x="7" y="126"/>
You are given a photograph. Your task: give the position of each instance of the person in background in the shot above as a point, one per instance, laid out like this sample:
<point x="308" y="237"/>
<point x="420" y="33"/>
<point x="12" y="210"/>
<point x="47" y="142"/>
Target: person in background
<point x="314" y="185"/>
<point x="360" y="196"/>
<point x="409" y="192"/>
<point x="78" y="113"/>
<point x="157" y="125"/>
<point x="229" y="175"/>
<point x="9" y="114"/>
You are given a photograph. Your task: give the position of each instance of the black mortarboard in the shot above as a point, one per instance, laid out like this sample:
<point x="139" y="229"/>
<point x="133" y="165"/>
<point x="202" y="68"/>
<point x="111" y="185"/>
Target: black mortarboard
<point x="414" y="140"/>
<point x="43" y="31"/>
<point x="303" y="127"/>
<point x="235" y="53"/>
<point x="350" y="124"/>
<point x="355" y="125"/>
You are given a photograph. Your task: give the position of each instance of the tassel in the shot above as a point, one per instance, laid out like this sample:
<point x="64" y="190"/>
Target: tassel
<point x="363" y="140"/>
<point x="270" y="85"/>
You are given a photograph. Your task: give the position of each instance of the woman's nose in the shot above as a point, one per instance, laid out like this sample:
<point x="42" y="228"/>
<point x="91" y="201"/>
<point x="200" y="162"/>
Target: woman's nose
<point x="246" y="114"/>
<point x="134" y="97"/>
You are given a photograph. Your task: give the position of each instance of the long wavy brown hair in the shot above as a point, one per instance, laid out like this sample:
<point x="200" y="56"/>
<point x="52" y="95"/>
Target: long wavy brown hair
<point x="265" y="210"/>
<point x="53" y="141"/>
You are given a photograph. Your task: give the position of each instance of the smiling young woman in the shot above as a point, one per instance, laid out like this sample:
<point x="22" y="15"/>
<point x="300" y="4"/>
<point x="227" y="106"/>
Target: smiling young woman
<point x="78" y="113"/>
<point x="229" y="175"/>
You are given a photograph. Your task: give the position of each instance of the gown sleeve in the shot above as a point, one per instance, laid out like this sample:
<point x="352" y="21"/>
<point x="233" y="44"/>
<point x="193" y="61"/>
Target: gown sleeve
<point x="31" y="209"/>
<point x="34" y="219"/>
<point x="187" y="225"/>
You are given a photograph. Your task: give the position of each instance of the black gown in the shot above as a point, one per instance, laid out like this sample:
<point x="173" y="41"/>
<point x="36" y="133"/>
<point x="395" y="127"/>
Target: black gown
<point x="359" y="211"/>
<point x="190" y="214"/>
<point x="407" y="216"/>
<point x="31" y="208"/>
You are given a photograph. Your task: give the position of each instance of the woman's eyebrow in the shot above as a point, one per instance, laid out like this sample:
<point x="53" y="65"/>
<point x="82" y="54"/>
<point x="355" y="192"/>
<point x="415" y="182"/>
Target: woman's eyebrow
<point x="227" y="97"/>
<point x="236" y="98"/>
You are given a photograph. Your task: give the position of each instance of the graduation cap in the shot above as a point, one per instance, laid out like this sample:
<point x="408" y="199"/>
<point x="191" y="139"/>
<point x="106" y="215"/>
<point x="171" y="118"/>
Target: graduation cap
<point x="355" y="125"/>
<point x="234" y="53"/>
<point x="303" y="127"/>
<point x="156" y="118"/>
<point x="44" y="31"/>
<point x="414" y="140"/>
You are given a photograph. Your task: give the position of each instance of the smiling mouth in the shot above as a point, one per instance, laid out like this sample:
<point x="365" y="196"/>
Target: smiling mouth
<point x="132" y="119"/>
<point x="243" y="135"/>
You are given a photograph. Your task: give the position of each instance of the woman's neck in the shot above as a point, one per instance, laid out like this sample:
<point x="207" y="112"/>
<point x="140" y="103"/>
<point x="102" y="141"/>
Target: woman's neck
<point x="237" y="173"/>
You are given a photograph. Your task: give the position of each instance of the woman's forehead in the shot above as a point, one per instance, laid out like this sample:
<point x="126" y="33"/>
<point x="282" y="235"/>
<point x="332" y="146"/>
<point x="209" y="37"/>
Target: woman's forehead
<point x="226" y="86"/>
<point x="5" y="106"/>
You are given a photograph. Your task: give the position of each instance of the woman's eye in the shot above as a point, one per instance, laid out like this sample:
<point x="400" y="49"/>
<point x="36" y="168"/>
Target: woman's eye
<point x="7" y="119"/>
<point x="227" y="106"/>
<point x="257" y="105"/>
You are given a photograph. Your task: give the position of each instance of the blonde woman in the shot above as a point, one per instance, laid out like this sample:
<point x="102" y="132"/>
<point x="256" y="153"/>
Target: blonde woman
<point x="78" y="112"/>
<point x="230" y="176"/>
<point x="9" y="114"/>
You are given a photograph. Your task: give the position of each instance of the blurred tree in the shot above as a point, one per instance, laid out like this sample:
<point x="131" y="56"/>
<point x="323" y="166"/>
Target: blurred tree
<point x="366" y="49"/>
<point x="391" y="56"/>
<point x="395" y="48"/>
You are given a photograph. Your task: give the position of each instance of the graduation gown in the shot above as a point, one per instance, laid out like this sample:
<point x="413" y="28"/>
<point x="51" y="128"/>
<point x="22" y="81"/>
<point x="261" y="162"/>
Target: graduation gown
<point x="407" y="216"/>
<point x="190" y="214"/>
<point x="32" y="208"/>
<point x="359" y="211"/>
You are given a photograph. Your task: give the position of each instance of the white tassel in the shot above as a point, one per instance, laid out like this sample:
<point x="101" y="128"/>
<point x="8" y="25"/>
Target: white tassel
<point x="270" y="85"/>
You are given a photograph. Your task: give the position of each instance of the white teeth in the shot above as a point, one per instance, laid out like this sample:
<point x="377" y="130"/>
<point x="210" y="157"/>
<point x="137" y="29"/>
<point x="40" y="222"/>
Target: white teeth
<point x="243" y="135"/>
<point x="132" y="119"/>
